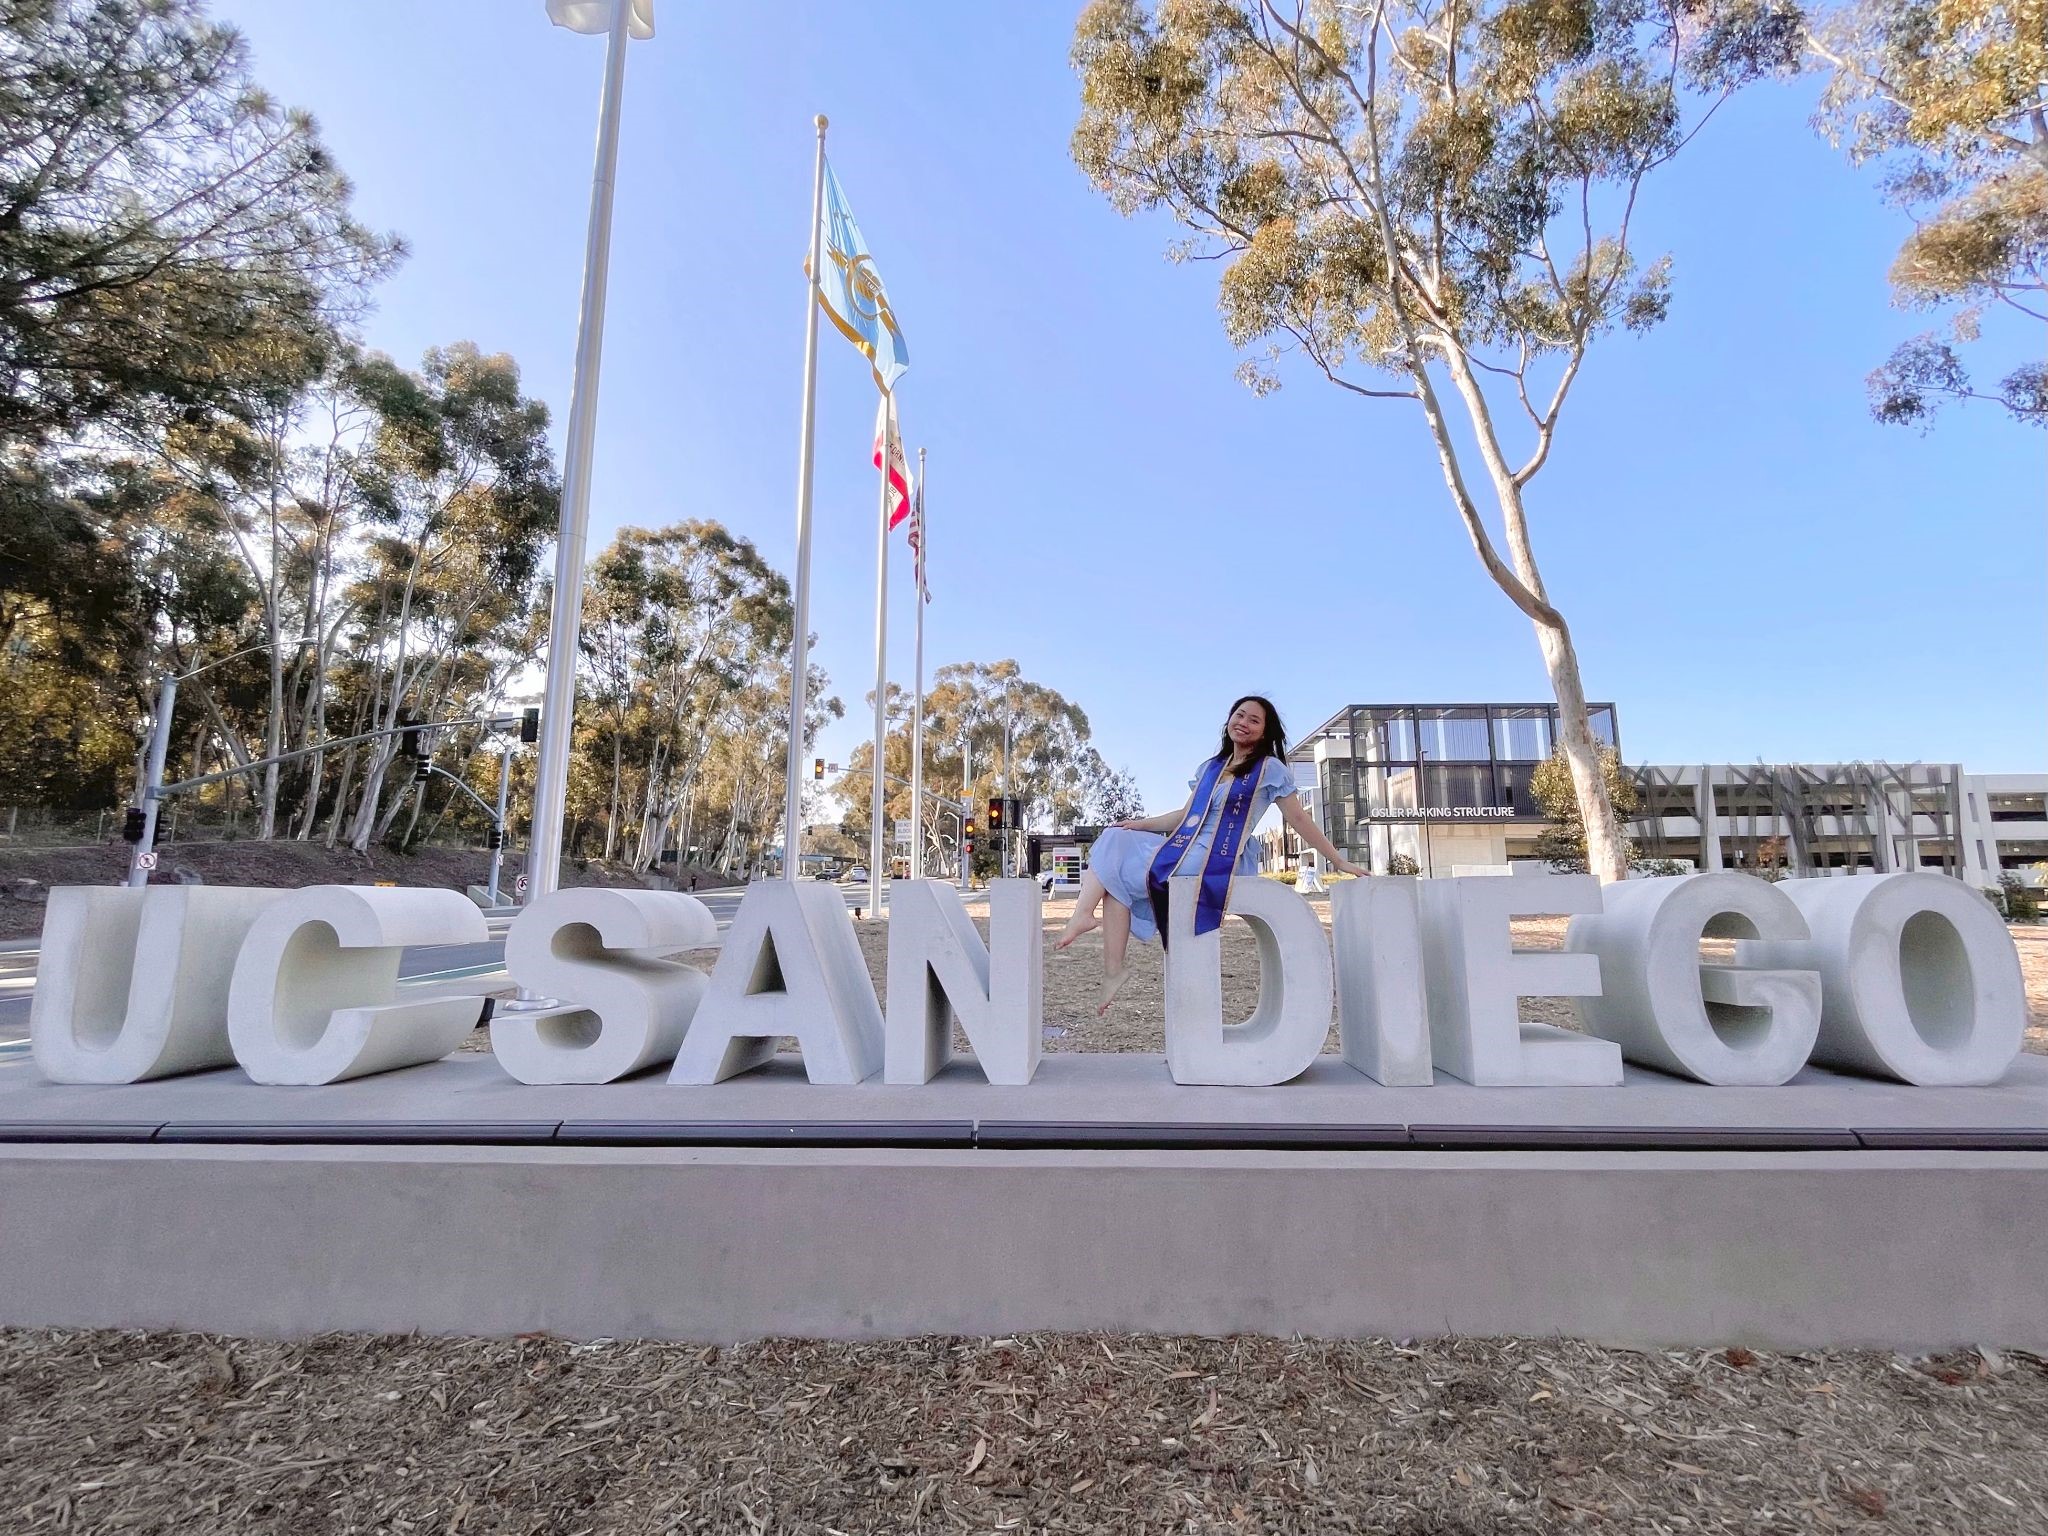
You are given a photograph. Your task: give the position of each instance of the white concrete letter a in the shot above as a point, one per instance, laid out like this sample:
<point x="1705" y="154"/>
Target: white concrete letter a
<point x="791" y="966"/>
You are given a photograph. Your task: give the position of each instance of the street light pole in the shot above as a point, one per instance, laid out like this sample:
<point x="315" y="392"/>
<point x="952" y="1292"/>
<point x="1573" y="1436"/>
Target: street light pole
<point x="147" y="793"/>
<point x="152" y="779"/>
<point x="966" y="790"/>
<point x="551" y="782"/>
<point x="504" y="786"/>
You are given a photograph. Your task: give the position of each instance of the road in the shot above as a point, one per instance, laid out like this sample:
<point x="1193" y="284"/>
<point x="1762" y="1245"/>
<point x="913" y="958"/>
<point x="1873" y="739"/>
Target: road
<point x="18" y="967"/>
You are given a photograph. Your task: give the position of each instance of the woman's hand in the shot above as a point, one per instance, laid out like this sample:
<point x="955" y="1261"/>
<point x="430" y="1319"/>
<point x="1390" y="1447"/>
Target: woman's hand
<point x="1131" y="823"/>
<point x="1346" y="867"/>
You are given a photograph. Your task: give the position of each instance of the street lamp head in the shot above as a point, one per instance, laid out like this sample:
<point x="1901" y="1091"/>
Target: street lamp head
<point x="595" y="16"/>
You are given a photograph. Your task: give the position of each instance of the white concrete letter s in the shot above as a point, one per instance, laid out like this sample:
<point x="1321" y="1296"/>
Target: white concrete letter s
<point x="625" y="1006"/>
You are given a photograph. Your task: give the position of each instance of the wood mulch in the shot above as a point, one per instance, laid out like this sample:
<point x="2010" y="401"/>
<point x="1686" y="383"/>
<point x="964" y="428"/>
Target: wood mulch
<point x="1048" y="1433"/>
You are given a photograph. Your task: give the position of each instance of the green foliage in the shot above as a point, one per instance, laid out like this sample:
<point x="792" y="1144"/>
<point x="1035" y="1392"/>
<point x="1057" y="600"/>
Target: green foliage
<point x="1949" y="97"/>
<point x="2017" y="900"/>
<point x="1447" y="218"/>
<point x="171" y="241"/>
<point x="1053" y="767"/>
<point x="686" y="638"/>
<point x="1563" y="842"/>
<point x="1402" y="864"/>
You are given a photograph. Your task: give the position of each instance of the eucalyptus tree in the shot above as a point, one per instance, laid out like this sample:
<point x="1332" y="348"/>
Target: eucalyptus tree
<point x="177" y="251"/>
<point x="1409" y="194"/>
<point x="677" y="622"/>
<point x="171" y="240"/>
<point x="988" y="728"/>
<point x="458" y="497"/>
<point x="1950" y="98"/>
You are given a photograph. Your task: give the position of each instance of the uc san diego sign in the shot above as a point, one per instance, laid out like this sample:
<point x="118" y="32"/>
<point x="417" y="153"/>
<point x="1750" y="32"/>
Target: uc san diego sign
<point x="1909" y="976"/>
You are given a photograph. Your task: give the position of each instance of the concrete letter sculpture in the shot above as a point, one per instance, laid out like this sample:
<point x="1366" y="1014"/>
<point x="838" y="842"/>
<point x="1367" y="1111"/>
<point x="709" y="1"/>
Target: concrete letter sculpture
<point x="625" y="1005"/>
<point x="313" y="995"/>
<point x="1919" y="979"/>
<point x="791" y="965"/>
<point x="1285" y="1033"/>
<point x="1477" y="978"/>
<point x="939" y="970"/>
<point x="1721" y="1024"/>
<point x="133" y="984"/>
<point x="1382" y="1010"/>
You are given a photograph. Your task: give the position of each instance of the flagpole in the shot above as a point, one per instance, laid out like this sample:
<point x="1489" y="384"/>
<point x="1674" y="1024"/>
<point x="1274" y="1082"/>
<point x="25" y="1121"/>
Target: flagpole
<point x="917" y="708"/>
<point x="557" y="727"/>
<point x="876" y="846"/>
<point x="800" y="642"/>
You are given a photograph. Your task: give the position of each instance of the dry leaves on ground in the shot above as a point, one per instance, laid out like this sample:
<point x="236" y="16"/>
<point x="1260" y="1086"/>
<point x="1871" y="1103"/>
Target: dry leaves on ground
<point x="1056" y="1433"/>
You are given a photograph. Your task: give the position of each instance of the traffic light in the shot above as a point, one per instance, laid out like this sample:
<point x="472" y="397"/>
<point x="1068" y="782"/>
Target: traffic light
<point x="133" y="824"/>
<point x="818" y="769"/>
<point x="995" y="814"/>
<point x="529" y="726"/>
<point x="408" y="736"/>
<point x="968" y="830"/>
<point x="969" y="846"/>
<point x="495" y="838"/>
<point x="423" y="770"/>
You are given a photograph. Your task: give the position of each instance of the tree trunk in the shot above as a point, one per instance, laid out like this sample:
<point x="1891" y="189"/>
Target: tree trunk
<point x="611" y="815"/>
<point x="1606" y="848"/>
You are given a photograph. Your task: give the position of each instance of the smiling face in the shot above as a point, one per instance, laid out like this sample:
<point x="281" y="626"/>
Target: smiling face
<point x="1246" y="725"/>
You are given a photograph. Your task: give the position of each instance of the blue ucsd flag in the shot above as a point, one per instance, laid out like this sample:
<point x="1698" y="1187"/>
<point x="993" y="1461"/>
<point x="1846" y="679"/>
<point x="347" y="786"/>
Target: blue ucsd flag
<point x="851" y="290"/>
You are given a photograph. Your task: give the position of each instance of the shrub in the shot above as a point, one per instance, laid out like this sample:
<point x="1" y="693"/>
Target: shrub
<point x="2020" y="904"/>
<point x="1402" y="864"/>
<point x="1284" y="876"/>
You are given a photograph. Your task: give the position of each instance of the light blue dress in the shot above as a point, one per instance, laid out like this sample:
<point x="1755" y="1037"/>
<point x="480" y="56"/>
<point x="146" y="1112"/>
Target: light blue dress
<point x="1121" y="859"/>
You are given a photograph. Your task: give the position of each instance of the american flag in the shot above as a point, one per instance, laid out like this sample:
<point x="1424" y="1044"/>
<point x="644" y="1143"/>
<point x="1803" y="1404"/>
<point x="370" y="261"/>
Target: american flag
<point x="917" y="540"/>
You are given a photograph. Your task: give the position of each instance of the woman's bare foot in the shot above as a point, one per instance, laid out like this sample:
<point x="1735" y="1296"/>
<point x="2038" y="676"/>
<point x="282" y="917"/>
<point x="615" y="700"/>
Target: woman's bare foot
<point x="1080" y="923"/>
<point x="1112" y="983"/>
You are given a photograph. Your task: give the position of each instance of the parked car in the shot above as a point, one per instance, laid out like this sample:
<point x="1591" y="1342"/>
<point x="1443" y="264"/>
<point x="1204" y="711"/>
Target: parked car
<point x="855" y="875"/>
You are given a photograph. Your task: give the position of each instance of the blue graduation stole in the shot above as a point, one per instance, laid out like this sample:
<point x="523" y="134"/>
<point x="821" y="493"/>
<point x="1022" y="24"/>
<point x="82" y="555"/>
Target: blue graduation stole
<point x="1222" y="863"/>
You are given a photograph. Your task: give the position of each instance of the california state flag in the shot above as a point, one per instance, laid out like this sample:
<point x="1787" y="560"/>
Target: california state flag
<point x="899" y="468"/>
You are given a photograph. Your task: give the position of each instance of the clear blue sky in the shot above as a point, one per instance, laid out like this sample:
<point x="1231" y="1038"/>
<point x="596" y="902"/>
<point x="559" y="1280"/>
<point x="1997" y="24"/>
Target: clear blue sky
<point x="1752" y="567"/>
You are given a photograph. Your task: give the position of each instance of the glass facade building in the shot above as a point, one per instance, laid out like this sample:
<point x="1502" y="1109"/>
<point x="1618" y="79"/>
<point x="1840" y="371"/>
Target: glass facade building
<point x="1433" y="779"/>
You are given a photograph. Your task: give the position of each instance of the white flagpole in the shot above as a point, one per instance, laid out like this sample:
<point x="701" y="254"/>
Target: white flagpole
<point x="876" y="843"/>
<point x="557" y="728"/>
<point x="800" y="643"/>
<point x="917" y="707"/>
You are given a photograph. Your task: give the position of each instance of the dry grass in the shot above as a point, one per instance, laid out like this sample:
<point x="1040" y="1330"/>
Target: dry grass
<point x="160" y="1433"/>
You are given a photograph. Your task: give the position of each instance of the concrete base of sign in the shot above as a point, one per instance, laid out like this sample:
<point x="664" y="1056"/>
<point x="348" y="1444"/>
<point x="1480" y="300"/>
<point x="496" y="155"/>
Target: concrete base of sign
<point x="1830" y="1211"/>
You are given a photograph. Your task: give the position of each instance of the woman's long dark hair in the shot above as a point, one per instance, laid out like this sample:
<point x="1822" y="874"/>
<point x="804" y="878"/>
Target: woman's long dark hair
<point x="1272" y="744"/>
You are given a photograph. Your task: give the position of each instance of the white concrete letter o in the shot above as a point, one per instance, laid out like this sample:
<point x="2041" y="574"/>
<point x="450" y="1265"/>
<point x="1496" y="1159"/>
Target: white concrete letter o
<point x="1919" y="979"/>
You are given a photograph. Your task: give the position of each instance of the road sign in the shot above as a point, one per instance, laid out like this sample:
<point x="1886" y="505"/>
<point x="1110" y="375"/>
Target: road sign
<point x="519" y="886"/>
<point x="902" y="833"/>
<point x="145" y="860"/>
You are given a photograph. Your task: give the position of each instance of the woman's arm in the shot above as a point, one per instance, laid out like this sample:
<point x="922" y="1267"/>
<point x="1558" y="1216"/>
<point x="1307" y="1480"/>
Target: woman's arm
<point x="1168" y="822"/>
<point x="1296" y="816"/>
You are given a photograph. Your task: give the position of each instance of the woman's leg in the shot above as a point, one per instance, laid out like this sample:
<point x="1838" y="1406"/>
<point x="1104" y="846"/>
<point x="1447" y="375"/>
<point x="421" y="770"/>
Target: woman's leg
<point x="1086" y="903"/>
<point x="1116" y="940"/>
